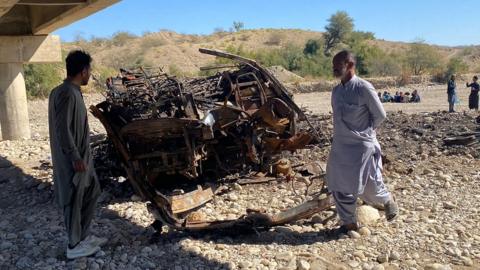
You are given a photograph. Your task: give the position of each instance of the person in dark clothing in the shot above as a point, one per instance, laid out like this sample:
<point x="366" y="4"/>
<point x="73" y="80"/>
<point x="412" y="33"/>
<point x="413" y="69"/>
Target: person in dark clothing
<point x="398" y="97"/>
<point x="415" y="97"/>
<point x="473" y="98"/>
<point x="452" y="93"/>
<point x="387" y="97"/>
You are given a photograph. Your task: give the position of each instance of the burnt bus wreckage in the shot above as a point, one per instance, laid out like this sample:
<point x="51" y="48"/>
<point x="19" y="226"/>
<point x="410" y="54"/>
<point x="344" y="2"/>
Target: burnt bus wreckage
<point x="234" y="122"/>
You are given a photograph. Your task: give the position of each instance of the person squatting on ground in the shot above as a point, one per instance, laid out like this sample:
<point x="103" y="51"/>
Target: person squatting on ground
<point x="473" y="98"/>
<point x="354" y="167"/>
<point x="76" y="184"/>
<point x="452" y="93"/>
<point x="415" y="97"/>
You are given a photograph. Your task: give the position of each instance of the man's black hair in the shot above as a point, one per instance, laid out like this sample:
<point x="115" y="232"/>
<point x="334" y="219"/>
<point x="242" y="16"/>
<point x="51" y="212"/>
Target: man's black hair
<point x="346" y="56"/>
<point x="77" y="61"/>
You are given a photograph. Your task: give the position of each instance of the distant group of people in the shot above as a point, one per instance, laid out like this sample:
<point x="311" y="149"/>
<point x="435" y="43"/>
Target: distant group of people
<point x="472" y="98"/>
<point x="400" y="97"/>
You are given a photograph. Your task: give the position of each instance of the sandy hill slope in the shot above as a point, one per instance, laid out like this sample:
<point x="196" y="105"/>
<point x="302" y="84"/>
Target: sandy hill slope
<point x="179" y="52"/>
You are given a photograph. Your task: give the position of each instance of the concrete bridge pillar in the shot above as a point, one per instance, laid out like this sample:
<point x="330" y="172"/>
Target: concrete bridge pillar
<point x="14" y="52"/>
<point x="13" y="102"/>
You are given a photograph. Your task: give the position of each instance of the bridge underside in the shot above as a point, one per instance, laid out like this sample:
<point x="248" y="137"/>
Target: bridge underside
<point x="25" y="26"/>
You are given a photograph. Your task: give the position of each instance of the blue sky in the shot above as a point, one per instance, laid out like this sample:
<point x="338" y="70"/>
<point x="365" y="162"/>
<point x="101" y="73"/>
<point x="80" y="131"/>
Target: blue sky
<point x="439" y="22"/>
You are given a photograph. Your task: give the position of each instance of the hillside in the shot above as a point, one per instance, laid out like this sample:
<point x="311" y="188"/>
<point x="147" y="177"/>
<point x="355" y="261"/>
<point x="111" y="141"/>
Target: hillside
<point x="178" y="53"/>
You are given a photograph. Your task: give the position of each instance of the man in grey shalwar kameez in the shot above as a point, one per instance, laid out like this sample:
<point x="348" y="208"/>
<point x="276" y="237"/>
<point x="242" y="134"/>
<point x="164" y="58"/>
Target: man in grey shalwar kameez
<point x="75" y="181"/>
<point x="354" y="167"/>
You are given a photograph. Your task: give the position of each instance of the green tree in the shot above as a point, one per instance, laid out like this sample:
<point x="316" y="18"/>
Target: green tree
<point x="312" y="46"/>
<point x="454" y="66"/>
<point x="357" y="37"/>
<point x="40" y="79"/>
<point x="384" y="65"/>
<point x="422" y="58"/>
<point x="364" y="53"/>
<point x="238" y="26"/>
<point x="340" y="25"/>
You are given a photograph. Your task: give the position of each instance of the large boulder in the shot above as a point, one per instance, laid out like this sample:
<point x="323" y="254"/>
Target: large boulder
<point x="367" y="215"/>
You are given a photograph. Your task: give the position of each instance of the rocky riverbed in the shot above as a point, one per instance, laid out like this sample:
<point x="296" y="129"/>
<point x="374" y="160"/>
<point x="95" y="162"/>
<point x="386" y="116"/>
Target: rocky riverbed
<point x="437" y="187"/>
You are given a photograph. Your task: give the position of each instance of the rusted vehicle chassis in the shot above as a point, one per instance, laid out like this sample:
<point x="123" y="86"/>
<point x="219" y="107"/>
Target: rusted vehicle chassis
<point x="228" y="123"/>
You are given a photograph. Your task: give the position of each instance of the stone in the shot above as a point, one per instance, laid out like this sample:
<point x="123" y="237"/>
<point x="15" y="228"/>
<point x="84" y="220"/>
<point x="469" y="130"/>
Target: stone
<point x="94" y="266"/>
<point x="80" y="264"/>
<point x="449" y="205"/>
<point x="437" y="266"/>
<point x="382" y="258"/>
<point x="232" y="197"/>
<point x="244" y="264"/>
<point x="428" y="171"/>
<point x="195" y="249"/>
<point x="284" y="256"/>
<point x="365" y="231"/>
<point x="466" y="261"/>
<point x="353" y="264"/>
<point x="5" y="245"/>
<point x="378" y="267"/>
<point x="354" y="234"/>
<point x="254" y="250"/>
<point x="444" y="177"/>
<point x="10" y="236"/>
<point x="24" y="263"/>
<point x="359" y="254"/>
<point x="303" y="265"/>
<point x="367" y="266"/>
<point x="429" y="120"/>
<point x="146" y="250"/>
<point x="124" y="257"/>
<point x="288" y="200"/>
<point x="318" y="265"/>
<point x="367" y="215"/>
<point x="149" y="264"/>
<point x="237" y="187"/>
<point x="100" y="254"/>
<point x="394" y="256"/>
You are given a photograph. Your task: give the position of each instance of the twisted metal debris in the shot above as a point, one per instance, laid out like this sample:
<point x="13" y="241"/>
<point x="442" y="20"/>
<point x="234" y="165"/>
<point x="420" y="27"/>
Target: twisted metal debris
<point x="202" y="128"/>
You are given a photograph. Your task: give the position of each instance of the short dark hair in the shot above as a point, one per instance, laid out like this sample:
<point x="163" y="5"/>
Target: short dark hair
<point x="77" y="61"/>
<point x="346" y="56"/>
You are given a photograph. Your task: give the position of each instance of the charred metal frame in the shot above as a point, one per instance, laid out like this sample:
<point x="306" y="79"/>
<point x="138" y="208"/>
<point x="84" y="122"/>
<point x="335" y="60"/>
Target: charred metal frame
<point x="165" y="126"/>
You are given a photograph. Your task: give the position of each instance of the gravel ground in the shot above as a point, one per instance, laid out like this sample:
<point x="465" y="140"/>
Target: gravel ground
<point x="437" y="187"/>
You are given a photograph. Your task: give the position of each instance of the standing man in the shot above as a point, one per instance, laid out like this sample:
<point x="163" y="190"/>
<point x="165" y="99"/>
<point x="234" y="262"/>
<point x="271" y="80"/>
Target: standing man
<point x="75" y="181"/>
<point x="451" y="92"/>
<point x="473" y="98"/>
<point x="354" y="167"/>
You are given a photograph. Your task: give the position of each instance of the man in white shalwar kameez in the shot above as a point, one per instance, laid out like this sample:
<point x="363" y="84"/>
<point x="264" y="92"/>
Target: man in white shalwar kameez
<point x="354" y="167"/>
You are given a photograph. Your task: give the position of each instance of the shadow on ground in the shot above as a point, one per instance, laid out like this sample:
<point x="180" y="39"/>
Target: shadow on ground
<point x="32" y="233"/>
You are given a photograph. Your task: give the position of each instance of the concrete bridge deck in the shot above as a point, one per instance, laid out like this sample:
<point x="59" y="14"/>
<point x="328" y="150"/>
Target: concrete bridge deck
<point x="25" y="27"/>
